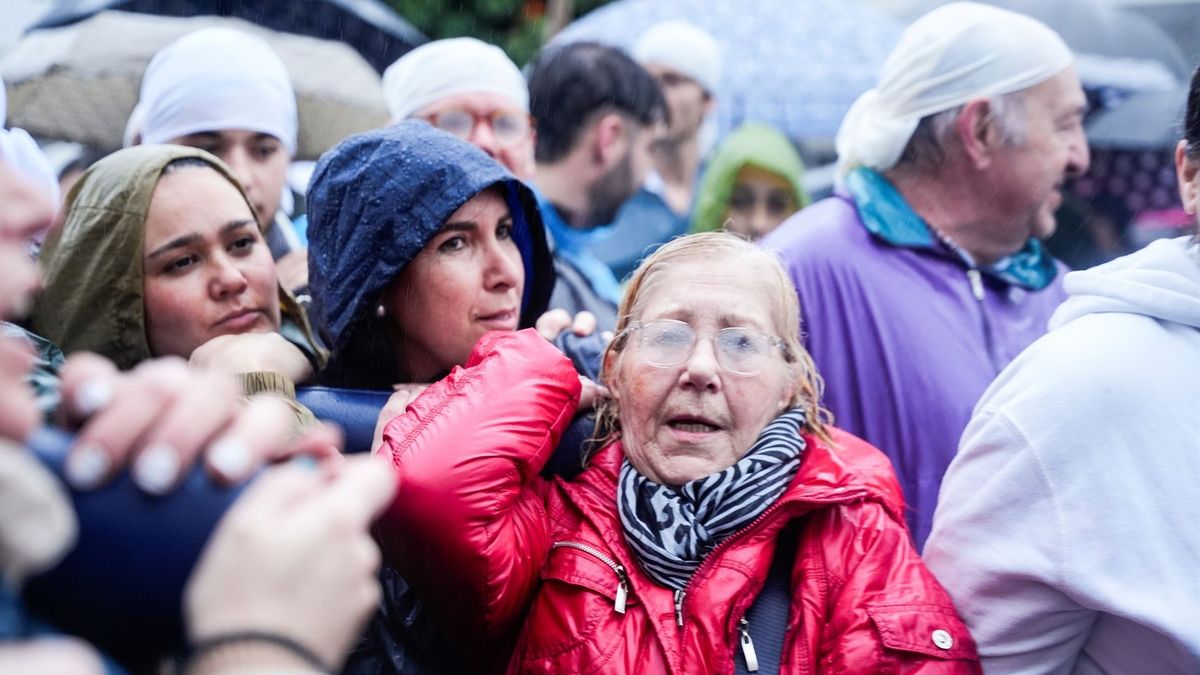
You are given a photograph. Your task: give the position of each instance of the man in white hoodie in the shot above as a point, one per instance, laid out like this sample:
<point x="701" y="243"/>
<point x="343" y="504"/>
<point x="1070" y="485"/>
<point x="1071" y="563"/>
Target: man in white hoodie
<point x="1068" y="526"/>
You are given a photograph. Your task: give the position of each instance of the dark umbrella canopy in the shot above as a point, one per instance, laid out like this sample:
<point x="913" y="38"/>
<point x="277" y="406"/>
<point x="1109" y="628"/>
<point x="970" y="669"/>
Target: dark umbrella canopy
<point x="373" y="29"/>
<point x="1145" y="120"/>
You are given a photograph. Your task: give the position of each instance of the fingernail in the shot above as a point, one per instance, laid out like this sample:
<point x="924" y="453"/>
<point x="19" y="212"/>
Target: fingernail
<point x="86" y="466"/>
<point x="156" y="469"/>
<point x="230" y="456"/>
<point x="92" y="396"/>
<point x="304" y="462"/>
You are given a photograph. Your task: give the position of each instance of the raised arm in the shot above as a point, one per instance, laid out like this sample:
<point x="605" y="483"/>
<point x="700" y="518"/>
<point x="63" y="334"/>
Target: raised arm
<point x="468" y="529"/>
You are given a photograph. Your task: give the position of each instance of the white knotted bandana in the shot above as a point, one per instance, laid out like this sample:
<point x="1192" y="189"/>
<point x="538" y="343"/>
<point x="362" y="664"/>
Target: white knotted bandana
<point x="445" y="68"/>
<point x="214" y="79"/>
<point x="956" y="53"/>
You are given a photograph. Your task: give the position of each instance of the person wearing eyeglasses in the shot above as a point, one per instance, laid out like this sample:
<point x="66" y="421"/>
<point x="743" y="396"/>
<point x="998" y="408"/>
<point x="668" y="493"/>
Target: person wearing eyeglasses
<point x="722" y="526"/>
<point x="470" y="89"/>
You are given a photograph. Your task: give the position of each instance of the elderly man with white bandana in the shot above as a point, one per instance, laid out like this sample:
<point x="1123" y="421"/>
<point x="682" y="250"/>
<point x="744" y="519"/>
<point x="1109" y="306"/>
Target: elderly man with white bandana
<point x="925" y="274"/>
<point x="470" y="89"/>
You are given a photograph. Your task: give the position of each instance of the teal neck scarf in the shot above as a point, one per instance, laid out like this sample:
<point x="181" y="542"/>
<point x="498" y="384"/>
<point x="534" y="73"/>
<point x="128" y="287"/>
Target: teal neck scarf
<point x="886" y="215"/>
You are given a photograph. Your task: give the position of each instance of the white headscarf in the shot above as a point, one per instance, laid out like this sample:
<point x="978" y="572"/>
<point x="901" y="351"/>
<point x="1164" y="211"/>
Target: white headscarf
<point x="213" y="79"/>
<point x="445" y="68"/>
<point x="683" y="47"/>
<point x="956" y="53"/>
<point x="21" y="152"/>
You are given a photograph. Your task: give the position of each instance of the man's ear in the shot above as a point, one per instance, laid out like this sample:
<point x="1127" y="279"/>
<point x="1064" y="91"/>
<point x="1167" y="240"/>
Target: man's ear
<point x="977" y="132"/>
<point x="1189" y="191"/>
<point x="608" y="141"/>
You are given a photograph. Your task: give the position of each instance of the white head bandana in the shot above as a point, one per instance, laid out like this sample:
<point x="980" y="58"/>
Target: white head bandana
<point x="214" y="79"/>
<point x="21" y="152"/>
<point x="445" y="68"/>
<point x="956" y="53"/>
<point x="683" y="47"/>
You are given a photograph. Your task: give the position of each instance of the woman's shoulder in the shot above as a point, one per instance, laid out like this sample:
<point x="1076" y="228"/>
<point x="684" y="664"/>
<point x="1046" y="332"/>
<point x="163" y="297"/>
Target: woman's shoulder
<point x="847" y="464"/>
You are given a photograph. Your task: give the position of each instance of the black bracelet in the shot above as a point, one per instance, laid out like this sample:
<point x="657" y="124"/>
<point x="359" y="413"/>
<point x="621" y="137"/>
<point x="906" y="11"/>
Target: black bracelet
<point x="307" y="655"/>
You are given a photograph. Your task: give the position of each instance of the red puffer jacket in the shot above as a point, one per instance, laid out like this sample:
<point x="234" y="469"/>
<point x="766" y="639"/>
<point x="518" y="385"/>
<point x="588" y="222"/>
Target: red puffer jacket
<point x="534" y="574"/>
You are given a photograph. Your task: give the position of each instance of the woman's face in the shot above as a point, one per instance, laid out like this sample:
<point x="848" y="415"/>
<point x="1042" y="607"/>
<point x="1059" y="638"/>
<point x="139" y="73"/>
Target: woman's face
<point x="207" y="268"/>
<point x="688" y="421"/>
<point x="760" y="202"/>
<point x="466" y="281"/>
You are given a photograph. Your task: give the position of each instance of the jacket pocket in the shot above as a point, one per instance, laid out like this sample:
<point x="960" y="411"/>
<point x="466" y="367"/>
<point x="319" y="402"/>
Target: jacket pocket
<point x="922" y="629"/>
<point x="575" y="624"/>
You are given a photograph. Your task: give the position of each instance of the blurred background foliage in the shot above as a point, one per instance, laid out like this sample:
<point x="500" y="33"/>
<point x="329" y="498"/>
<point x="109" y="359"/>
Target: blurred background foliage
<point x="520" y="27"/>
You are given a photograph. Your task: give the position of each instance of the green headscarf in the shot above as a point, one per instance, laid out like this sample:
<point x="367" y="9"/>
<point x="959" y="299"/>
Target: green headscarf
<point x="752" y="144"/>
<point x="93" y="298"/>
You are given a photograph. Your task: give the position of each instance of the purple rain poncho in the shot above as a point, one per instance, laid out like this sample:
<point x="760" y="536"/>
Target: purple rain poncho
<point x="905" y="333"/>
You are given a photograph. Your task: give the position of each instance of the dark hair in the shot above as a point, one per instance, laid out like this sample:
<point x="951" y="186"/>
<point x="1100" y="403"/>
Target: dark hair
<point x="1191" y="122"/>
<point x="569" y="84"/>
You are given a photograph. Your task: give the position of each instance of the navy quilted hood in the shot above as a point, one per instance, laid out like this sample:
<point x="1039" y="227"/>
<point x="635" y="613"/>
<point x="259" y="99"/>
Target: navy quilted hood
<point x="374" y="201"/>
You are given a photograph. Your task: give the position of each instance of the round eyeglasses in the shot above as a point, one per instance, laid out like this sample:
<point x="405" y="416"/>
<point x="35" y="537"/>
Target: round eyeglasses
<point x="666" y="343"/>
<point x="507" y="126"/>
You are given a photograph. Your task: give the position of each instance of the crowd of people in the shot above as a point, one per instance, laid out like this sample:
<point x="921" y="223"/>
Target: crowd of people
<point x="649" y="409"/>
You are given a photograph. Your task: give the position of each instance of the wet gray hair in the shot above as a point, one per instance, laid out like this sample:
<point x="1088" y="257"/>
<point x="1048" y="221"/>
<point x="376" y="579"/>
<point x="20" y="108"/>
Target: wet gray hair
<point x="935" y="134"/>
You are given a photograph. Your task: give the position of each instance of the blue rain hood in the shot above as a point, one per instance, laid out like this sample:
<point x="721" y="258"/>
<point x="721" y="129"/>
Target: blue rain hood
<point x="375" y="200"/>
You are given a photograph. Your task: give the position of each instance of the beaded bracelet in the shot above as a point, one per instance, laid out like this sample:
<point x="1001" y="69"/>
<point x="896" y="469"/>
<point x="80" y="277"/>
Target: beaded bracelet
<point x="208" y="645"/>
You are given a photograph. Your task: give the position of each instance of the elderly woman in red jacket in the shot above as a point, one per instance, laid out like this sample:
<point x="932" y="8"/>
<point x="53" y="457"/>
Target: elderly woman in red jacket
<point x="722" y="528"/>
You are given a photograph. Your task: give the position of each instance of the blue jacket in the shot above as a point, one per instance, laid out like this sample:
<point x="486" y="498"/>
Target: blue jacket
<point x="374" y="201"/>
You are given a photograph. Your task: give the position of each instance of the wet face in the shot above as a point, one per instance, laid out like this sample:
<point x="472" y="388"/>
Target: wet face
<point x="687" y="421"/>
<point x="759" y="202"/>
<point x="686" y="101"/>
<point x="490" y="122"/>
<point x="206" y="266"/>
<point x="466" y="281"/>
<point x="258" y="160"/>
<point x="1029" y="176"/>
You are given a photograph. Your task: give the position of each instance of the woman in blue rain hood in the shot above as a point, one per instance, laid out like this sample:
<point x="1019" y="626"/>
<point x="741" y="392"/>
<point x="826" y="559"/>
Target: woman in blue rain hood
<point x="419" y="243"/>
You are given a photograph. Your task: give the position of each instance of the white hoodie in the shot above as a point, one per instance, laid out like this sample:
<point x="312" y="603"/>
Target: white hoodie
<point x="1068" y="526"/>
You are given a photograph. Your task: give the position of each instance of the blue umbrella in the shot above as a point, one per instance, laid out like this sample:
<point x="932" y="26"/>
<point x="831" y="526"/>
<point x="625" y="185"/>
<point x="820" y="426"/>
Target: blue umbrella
<point x="795" y="64"/>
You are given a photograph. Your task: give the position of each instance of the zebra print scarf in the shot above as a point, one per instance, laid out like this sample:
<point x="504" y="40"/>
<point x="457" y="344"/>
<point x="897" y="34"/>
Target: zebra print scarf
<point x="671" y="530"/>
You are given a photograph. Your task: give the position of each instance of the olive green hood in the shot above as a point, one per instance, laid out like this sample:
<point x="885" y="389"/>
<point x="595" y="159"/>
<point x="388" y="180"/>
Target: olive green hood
<point x="757" y="145"/>
<point x="92" y="299"/>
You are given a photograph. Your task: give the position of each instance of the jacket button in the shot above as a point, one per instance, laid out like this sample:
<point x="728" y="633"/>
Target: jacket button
<point x="942" y="639"/>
